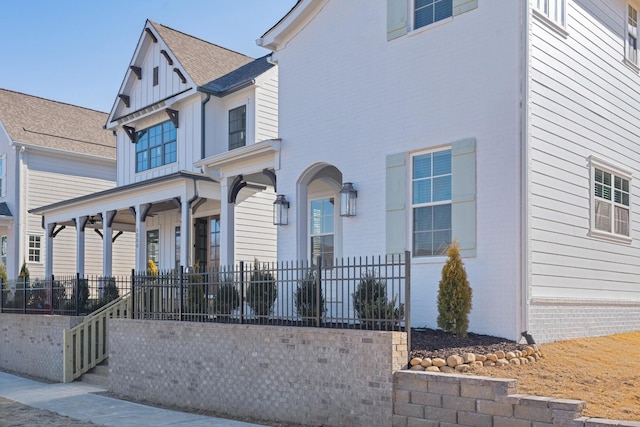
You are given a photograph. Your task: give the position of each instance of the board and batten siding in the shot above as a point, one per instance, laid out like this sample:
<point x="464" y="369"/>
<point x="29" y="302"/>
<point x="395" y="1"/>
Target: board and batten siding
<point x="188" y="144"/>
<point x="50" y="179"/>
<point x="583" y="102"/>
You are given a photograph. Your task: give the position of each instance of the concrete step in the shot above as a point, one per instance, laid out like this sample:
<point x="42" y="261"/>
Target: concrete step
<point x="98" y="376"/>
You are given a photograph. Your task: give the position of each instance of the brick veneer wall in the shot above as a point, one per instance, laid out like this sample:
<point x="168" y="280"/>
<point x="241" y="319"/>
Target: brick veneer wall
<point x="553" y="319"/>
<point x="302" y="375"/>
<point x="33" y="344"/>
<point x="427" y="399"/>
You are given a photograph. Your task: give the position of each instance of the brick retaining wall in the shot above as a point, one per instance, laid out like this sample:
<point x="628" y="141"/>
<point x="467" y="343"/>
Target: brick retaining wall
<point x="428" y="399"/>
<point x="303" y="375"/>
<point x="33" y="344"/>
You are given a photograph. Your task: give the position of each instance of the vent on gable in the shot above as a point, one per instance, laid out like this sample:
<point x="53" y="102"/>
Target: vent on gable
<point x="155" y="76"/>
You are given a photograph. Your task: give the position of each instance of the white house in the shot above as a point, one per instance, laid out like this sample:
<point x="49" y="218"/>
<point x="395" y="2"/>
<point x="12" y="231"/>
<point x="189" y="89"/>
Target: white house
<point x="50" y="151"/>
<point x="184" y="99"/>
<point x="510" y="126"/>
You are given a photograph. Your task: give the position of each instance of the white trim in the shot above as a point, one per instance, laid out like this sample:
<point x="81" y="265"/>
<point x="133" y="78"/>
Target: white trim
<point x="3" y="176"/>
<point x="39" y="248"/>
<point x="551" y="24"/>
<point x="545" y="15"/>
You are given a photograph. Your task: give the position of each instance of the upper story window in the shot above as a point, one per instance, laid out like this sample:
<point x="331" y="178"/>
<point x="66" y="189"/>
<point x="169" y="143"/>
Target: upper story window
<point x="611" y="202"/>
<point x="431" y="201"/>
<point x="155" y="146"/>
<point x="632" y="35"/>
<point x="427" y="12"/>
<point x="553" y="9"/>
<point x="237" y="127"/>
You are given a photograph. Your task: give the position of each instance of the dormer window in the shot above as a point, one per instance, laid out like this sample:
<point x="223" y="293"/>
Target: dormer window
<point x="238" y="127"/>
<point x="155" y="146"/>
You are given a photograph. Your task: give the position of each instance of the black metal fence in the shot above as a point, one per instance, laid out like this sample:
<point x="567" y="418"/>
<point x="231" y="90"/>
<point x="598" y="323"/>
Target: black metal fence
<point x="65" y="295"/>
<point x="364" y="293"/>
<point x="358" y="293"/>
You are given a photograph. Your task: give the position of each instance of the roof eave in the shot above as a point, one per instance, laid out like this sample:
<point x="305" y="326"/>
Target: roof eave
<point x="303" y="11"/>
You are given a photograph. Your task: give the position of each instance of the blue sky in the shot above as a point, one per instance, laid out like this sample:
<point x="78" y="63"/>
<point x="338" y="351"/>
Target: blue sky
<point x="77" y="51"/>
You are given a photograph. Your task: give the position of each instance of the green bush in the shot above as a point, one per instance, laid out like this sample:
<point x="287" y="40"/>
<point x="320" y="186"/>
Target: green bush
<point x="372" y="306"/>
<point x="307" y="304"/>
<point x="262" y="292"/>
<point x="226" y="299"/>
<point x="82" y="297"/>
<point x="109" y="293"/>
<point x="454" y="295"/>
<point x="196" y="300"/>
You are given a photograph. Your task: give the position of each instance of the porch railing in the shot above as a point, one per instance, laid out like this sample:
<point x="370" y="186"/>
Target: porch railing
<point x="87" y="344"/>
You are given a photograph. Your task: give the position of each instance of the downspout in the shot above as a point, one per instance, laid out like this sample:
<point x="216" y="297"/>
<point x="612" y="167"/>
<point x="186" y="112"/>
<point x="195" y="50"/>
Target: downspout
<point x="21" y="179"/>
<point x="523" y="321"/>
<point x="202" y="124"/>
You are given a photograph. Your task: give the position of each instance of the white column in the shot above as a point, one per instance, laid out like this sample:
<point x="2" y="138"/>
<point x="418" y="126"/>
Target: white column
<point x="48" y="266"/>
<point x="81" y="221"/>
<point x="226" y="224"/>
<point x="107" y="244"/>
<point x="141" y="240"/>
<point x="185" y="234"/>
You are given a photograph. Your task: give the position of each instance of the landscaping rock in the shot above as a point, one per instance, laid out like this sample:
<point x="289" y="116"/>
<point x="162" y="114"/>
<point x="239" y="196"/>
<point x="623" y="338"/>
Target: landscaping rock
<point x="492" y="357"/>
<point x="454" y="361"/>
<point x="447" y="370"/>
<point x="469" y="357"/>
<point x="432" y="369"/>
<point x="426" y="362"/>
<point x="439" y="362"/>
<point x="415" y="361"/>
<point x="462" y="368"/>
<point x="500" y="354"/>
<point x="481" y="357"/>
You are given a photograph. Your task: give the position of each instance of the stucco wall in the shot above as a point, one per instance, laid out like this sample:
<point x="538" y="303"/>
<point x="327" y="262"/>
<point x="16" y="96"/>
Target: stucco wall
<point x="34" y="344"/>
<point x="301" y="375"/>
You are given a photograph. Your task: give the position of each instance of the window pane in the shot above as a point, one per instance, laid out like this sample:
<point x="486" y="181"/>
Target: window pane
<point x="422" y="166"/>
<point x="422" y="191"/>
<point x="442" y="188"/>
<point x="423" y="219"/>
<point x="621" y="221"/>
<point x="442" y="162"/>
<point x="423" y="244"/>
<point x="602" y="215"/>
<point x="442" y="217"/>
<point x="424" y="16"/>
<point x="441" y="241"/>
<point x="444" y="9"/>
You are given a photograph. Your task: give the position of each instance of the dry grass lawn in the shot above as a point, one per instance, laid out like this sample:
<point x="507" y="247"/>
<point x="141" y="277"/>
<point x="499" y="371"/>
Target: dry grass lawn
<point x="602" y="371"/>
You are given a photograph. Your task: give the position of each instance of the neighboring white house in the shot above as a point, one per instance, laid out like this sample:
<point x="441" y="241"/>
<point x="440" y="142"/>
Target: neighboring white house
<point x="184" y="99"/>
<point x="49" y="151"/>
<point x="510" y="126"/>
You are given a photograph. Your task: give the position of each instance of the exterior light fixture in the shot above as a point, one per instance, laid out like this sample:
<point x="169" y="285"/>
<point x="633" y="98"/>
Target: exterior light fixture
<point x="280" y="210"/>
<point x="348" y="196"/>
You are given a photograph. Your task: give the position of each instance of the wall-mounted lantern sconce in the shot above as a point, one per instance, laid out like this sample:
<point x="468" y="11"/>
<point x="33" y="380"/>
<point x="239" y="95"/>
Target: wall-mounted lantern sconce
<point x="280" y="210"/>
<point x="348" y="196"/>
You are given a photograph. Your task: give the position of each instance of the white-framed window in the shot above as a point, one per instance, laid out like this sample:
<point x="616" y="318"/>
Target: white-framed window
<point x="322" y="230"/>
<point x="3" y="175"/>
<point x="631" y="51"/>
<point x="156" y="146"/>
<point x="427" y="12"/>
<point x="34" y="248"/>
<point x="611" y="201"/>
<point x="3" y="249"/>
<point x="554" y="10"/>
<point x="431" y="202"/>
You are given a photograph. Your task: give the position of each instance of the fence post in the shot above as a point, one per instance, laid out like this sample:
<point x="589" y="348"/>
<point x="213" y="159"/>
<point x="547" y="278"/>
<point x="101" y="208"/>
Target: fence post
<point x="407" y="302"/>
<point x="76" y="292"/>
<point x="181" y="282"/>
<point x="318" y="290"/>
<point x="133" y="294"/>
<point x="241" y="292"/>
<point x="24" y="295"/>
<point x="51" y="293"/>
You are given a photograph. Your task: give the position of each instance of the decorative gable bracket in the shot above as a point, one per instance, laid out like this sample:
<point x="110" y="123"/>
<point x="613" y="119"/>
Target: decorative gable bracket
<point x="173" y="116"/>
<point x="179" y="73"/>
<point x="167" y="57"/>
<point x="153" y="36"/>
<point x="131" y="133"/>
<point x="137" y="71"/>
<point x="125" y="98"/>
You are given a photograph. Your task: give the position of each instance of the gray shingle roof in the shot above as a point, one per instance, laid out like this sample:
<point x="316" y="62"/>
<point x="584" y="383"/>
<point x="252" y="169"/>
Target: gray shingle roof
<point x="203" y="61"/>
<point x="4" y="209"/>
<point x="239" y="76"/>
<point x="37" y="121"/>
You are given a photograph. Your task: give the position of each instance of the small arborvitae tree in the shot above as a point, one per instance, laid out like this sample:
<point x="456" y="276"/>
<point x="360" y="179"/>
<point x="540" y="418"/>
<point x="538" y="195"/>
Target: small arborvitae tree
<point x="306" y="299"/>
<point x="454" y="295"/>
<point x="262" y="291"/>
<point x="5" y="285"/>
<point x="24" y="273"/>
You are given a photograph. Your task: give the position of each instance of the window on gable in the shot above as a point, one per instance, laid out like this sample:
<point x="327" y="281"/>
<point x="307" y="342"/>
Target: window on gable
<point x="632" y="35"/>
<point x="156" y="146"/>
<point x="552" y="9"/>
<point x="611" y="202"/>
<point x="237" y="127"/>
<point x="427" y="12"/>
<point x="34" y="248"/>
<point x="431" y="202"/>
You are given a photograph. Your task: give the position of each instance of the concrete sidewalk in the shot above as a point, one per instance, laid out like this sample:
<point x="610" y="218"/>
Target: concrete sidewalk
<point x="79" y="401"/>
